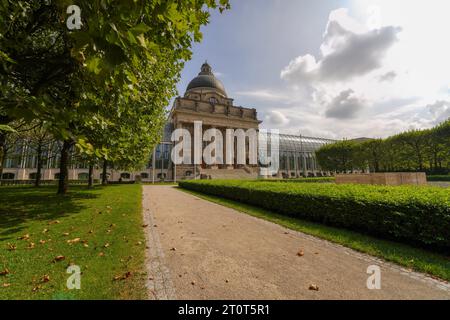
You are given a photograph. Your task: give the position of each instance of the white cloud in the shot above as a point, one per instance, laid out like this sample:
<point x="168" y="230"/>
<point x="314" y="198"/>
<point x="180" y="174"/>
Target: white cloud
<point x="440" y="111"/>
<point x="276" y="118"/>
<point x="371" y="77"/>
<point x="345" y="53"/>
<point x="345" y="106"/>
<point x="388" y="76"/>
<point x="266" y="95"/>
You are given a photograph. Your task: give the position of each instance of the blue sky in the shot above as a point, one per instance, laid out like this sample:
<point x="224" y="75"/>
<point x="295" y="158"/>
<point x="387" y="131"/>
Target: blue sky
<point x="331" y="68"/>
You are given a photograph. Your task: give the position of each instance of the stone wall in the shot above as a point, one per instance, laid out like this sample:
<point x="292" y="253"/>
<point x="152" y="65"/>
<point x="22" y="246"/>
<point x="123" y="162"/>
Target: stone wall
<point x="389" y="179"/>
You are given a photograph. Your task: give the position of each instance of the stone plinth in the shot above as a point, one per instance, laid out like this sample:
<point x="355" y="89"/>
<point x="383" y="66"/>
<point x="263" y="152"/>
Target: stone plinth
<point x="388" y="179"/>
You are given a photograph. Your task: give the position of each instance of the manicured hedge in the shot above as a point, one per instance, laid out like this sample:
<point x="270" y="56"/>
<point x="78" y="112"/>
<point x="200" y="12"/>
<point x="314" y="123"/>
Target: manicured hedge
<point x="417" y="215"/>
<point x="302" y="180"/>
<point x="439" y="178"/>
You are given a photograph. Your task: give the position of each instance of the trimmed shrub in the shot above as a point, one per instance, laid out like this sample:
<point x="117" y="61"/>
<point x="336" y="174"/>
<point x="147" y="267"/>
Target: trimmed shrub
<point x="302" y="180"/>
<point x="412" y="214"/>
<point x="439" y="178"/>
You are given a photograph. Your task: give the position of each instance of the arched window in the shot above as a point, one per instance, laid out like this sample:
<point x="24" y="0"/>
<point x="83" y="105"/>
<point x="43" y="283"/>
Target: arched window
<point x="8" y="176"/>
<point x="213" y="100"/>
<point x="144" y="175"/>
<point x="83" y="176"/>
<point x="125" y="175"/>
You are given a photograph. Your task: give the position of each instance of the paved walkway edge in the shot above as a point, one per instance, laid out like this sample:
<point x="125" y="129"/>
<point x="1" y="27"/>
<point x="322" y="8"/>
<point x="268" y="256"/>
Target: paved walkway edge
<point x="159" y="283"/>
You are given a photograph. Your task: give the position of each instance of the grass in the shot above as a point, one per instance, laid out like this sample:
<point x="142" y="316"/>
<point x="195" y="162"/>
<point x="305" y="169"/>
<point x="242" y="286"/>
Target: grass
<point x="417" y="259"/>
<point x="108" y="223"/>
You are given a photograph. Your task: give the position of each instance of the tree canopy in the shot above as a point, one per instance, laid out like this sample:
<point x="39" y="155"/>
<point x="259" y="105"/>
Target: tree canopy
<point x="103" y="87"/>
<point x="415" y="150"/>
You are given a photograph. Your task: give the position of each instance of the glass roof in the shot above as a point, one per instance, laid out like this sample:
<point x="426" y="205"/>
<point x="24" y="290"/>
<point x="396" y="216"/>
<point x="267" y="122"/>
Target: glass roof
<point x="291" y="143"/>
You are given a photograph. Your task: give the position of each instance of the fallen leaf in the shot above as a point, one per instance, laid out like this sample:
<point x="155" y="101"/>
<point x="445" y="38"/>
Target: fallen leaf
<point x="313" y="287"/>
<point x="124" y="276"/>
<point x="11" y="247"/>
<point x="91" y="231"/>
<point x="73" y="240"/>
<point x="5" y="285"/>
<point x="300" y="253"/>
<point x="144" y="225"/>
<point x="45" y="231"/>
<point x="66" y="234"/>
<point x="139" y="243"/>
<point x="54" y="222"/>
<point x="31" y="245"/>
<point x="101" y="254"/>
<point x="59" y="258"/>
<point x="42" y="241"/>
<point x="106" y="245"/>
<point x="85" y="245"/>
<point x="36" y="288"/>
<point x="45" y="278"/>
<point x="173" y="249"/>
<point x="24" y="237"/>
<point x="4" y="272"/>
<point x="193" y="283"/>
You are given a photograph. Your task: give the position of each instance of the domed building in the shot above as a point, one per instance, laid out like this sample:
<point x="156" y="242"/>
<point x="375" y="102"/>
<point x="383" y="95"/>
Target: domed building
<point x="205" y="101"/>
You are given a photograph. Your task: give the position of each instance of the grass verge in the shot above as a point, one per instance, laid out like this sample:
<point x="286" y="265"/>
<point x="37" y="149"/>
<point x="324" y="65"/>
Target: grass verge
<point x="434" y="264"/>
<point x="100" y="230"/>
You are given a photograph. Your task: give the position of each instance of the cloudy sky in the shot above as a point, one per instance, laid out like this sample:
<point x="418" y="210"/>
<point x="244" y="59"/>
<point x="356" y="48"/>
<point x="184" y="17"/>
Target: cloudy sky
<point x="333" y="68"/>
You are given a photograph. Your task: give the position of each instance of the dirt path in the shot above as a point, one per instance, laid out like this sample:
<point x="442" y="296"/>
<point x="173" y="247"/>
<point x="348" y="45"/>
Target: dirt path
<point x="201" y="250"/>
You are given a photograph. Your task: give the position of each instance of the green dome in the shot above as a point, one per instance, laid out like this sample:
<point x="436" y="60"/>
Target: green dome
<point x="206" y="79"/>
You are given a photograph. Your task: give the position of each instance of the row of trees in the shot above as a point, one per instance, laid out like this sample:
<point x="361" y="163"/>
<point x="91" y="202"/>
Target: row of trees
<point x="416" y="150"/>
<point x="102" y="89"/>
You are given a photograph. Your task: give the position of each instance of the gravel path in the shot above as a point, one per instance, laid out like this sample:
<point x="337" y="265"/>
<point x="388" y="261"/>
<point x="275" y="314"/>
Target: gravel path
<point x="201" y="250"/>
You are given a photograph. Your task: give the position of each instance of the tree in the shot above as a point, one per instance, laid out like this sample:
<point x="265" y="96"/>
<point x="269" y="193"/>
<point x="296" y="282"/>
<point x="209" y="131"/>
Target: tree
<point x="53" y="74"/>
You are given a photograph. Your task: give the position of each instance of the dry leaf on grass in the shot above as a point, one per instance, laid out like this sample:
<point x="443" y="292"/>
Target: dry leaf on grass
<point x="42" y="241"/>
<point x="73" y="240"/>
<point x="101" y="254"/>
<point x="45" y="231"/>
<point x="31" y="245"/>
<point x="106" y="245"/>
<point x="124" y="276"/>
<point x="24" y="237"/>
<point x="66" y="234"/>
<point x="36" y="288"/>
<point x="5" y="285"/>
<point x="54" y="222"/>
<point x="59" y="258"/>
<point x="45" y="278"/>
<point x="11" y="246"/>
<point x="4" y="272"/>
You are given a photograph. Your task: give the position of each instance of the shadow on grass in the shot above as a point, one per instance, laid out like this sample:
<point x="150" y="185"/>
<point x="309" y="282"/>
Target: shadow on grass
<point x="18" y="205"/>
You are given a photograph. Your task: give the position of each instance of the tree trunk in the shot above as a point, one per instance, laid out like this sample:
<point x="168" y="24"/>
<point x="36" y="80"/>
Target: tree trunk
<point x="91" y="176"/>
<point x="2" y="154"/>
<point x="37" y="181"/>
<point x="63" y="167"/>
<point x="104" y="175"/>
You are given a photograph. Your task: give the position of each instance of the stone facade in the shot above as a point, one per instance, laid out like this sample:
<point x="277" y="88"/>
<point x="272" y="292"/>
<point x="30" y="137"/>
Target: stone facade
<point x="388" y="179"/>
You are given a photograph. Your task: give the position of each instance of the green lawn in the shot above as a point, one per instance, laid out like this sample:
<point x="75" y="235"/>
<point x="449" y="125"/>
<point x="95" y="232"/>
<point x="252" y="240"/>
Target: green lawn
<point x="99" y="230"/>
<point x="434" y="264"/>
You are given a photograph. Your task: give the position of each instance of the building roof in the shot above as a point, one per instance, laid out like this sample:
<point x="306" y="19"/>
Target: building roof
<point x="206" y="79"/>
